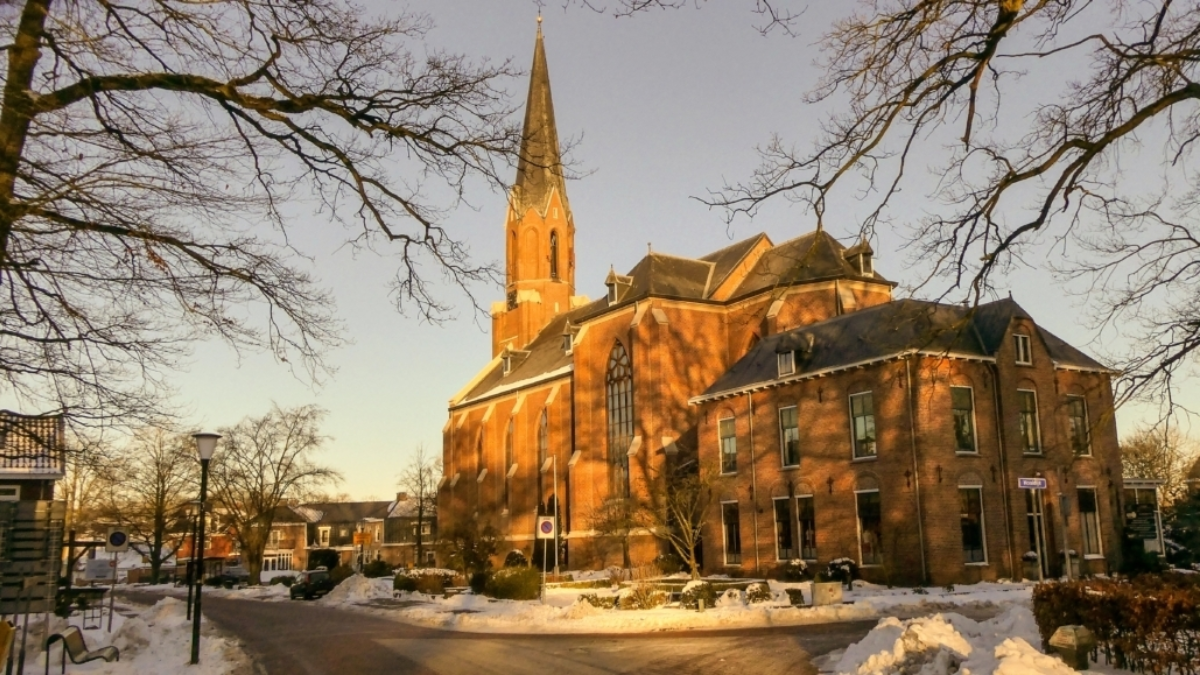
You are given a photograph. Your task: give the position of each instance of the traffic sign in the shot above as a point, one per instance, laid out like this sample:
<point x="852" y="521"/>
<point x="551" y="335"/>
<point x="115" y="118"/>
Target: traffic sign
<point x="362" y="538"/>
<point x="1031" y="483"/>
<point x="117" y="540"/>
<point x="545" y="527"/>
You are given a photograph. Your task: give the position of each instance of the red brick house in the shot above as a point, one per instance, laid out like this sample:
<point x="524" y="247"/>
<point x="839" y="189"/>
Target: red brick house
<point x="667" y="366"/>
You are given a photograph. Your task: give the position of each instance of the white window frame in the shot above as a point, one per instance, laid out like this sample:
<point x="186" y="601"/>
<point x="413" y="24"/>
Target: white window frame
<point x="1099" y="555"/>
<point x="324" y="536"/>
<point x="974" y="422"/>
<point x="785" y="363"/>
<point x="853" y="438"/>
<point x="795" y="543"/>
<point x="612" y="294"/>
<point x="1024" y="349"/>
<point x="10" y="493"/>
<point x="1087" y="426"/>
<point x="783" y="442"/>
<point x="725" y="535"/>
<point x="721" y="445"/>
<point x="1037" y="424"/>
<point x="800" y="527"/>
<point x="858" y="526"/>
<point x="982" y="527"/>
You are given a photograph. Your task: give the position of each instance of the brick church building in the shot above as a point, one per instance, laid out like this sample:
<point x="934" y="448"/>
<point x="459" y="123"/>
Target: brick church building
<point x="841" y="422"/>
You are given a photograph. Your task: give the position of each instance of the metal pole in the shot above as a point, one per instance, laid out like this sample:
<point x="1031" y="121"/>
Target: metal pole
<point x="191" y="569"/>
<point x="200" y="548"/>
<point x="555" y="458"/>
<point x="1066" y="537"/>
<point x="1039" y="532"/>
<point x="112" y="591"/>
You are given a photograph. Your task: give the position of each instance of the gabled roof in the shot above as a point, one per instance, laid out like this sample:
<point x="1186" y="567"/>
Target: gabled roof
<point x="671" y="276"/>
<point x="288" y="515"/>
<point x="408" y="508"/>
<point x="347" y="512"/>
<point x="886" y="331"/>
<point x="726" y="260"/>
<point x="542" y="358"/>
<point x="810" y="257"/>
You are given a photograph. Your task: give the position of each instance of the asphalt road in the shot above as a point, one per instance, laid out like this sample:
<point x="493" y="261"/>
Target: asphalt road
<point x="298" y="637"/>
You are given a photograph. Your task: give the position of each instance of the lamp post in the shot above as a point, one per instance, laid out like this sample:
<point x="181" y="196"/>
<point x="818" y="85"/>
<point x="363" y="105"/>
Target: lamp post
<point x="193" y="511"/>
<point x="206" y="444"/>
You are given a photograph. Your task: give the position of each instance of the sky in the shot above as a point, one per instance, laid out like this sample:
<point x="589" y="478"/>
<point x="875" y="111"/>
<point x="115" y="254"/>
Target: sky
<point x="663" y="107"/>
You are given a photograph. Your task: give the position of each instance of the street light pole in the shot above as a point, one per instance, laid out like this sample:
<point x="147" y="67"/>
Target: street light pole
<point x="205" y="445"/>
<point x="194" y="510"/>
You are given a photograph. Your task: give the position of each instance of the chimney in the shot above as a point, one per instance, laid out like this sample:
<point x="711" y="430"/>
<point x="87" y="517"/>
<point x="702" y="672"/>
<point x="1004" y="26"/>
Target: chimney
<point x="401" y="496"/>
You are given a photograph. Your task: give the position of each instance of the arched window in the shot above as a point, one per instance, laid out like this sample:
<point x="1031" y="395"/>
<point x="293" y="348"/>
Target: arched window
<point x="543" y="439"/>
<point x="479" y="454"/>
<point x="508" y="463"/>
<point x="554" y="255"/>
<point x="619" y="386"/>
<point x="512" y="257"/>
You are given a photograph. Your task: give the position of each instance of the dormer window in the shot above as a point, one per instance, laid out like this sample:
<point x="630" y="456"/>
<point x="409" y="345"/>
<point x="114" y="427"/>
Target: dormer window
<point x="786" y="362"/>
<point x="861" y="258"/>
<point x="506" y="361"/>
<point x="1024" y="355"/>
<point x="866" y="266"/>
<point x="566" y="342"/>
<point x="612" y="294"/>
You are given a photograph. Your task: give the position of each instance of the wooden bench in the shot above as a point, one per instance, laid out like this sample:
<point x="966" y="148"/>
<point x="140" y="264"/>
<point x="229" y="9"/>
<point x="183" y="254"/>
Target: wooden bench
<point x="74" y="646"/>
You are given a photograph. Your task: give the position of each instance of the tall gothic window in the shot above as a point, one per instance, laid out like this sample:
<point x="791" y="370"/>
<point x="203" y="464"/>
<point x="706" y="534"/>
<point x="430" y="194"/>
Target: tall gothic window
<point x="543" y="452"/>
<point x="554" y="255"/>
<point x="619" y="385"/>
<point x="508" y="463"/>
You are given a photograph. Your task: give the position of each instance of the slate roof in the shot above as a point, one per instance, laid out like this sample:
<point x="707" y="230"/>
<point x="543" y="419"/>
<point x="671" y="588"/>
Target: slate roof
<point x="539" y="169"/>
<point x="810" y="257"/>
<point x="286" y="515"/>
<point x="541" y="357"/>
<point x="347" y="512"/>
<point x="888" y="330"/>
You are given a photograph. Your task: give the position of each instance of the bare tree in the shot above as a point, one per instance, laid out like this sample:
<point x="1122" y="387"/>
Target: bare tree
<point x="1064" y="122"/>
<point x="151" y="481"/>
<point x="149" y="155"/>
<point x="678" y="512"/>
<point x="262" y="464"/>
<point x="1160" y="453"/>
<point x="614" y="522"/>
<point x="420" y="480"/>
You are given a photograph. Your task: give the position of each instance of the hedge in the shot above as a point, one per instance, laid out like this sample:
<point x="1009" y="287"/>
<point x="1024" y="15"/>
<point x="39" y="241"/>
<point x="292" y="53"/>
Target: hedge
<point x="1149" y="625"/>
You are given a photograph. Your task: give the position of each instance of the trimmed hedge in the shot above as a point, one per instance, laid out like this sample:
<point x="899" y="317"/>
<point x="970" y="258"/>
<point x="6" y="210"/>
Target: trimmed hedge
<point x="1148" y="625"/>
<point x="515" y="583"/>
<point x="694" y="591"/>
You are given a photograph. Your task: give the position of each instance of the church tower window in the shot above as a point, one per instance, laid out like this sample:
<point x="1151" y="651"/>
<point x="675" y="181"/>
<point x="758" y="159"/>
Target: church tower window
<point x="619" y="385"/>
<point x="554" y="255"/>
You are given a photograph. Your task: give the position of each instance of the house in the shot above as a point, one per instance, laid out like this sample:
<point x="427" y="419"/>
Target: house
<point x="401" y="533"/>
<point x="31" y="462"/>
<point x="775" y="364"/>
<point x="31" y="456"/>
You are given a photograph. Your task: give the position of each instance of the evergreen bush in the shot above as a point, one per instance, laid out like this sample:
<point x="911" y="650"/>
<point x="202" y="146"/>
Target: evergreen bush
<point x="479" y="581"/>
<point x="340" y="573"/>
<point x="514" y="583"/>
<point x="404" y="583"/>
<point x="757" y="593"/>
<point x="607" y="602"/>
<point x="377" y="569"/>
<point x="516" y="558"/>
<point x="323" y="557"/>
<point x="696" y="590"/>
<point x="668" y="563"/>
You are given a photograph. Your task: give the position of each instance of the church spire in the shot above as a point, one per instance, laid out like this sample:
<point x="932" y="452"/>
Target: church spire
<point x="539" y="170"/>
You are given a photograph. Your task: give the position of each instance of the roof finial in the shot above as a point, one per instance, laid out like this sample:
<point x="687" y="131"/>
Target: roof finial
<point x="649" y="248"/>
<point x="539" y="20"/>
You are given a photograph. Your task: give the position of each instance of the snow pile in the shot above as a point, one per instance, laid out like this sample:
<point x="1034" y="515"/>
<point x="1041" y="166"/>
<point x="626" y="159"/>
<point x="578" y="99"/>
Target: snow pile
<point x="951" y="643"/>
<point x="158" y="640"/>
<point x="358" y="590"/>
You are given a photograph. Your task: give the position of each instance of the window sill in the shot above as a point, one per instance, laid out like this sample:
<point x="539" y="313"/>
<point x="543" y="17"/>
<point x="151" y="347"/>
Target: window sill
<point x="729" y="564"/>
<point x="967" y="453"/>
<point x="1094" y="556"/>
<point x="789" y="467"/>
<point x="978" y="564"/>
<point x="1032" y="454"/>
<point x="1027" y="364"/>
<point x="864" y="566"/>
<point x="729" y="473"/>
<point x="1086" y="456"/>
<point x="869" y="458"/>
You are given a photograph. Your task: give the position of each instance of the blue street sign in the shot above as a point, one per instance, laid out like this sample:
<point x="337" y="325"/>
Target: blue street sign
<point x="1031" y="483"/>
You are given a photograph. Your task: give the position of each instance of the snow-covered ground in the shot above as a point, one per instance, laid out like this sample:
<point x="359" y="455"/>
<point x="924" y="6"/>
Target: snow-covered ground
<point x="154" y="639"/>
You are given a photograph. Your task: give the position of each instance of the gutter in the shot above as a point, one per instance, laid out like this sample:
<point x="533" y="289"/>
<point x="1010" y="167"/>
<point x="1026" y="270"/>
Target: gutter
<point x="1004" y="496"/>
<point x="912" y="442"/>
<point x="753" y="481"/>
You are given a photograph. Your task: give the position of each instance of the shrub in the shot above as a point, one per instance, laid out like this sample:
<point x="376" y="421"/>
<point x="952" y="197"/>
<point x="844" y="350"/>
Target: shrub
<point x="757" y="593"/>
<point x="732" y="597"/>
<point x="795" y="596"/>
<point x="479" y="581"/>
<point x="607" y="602"/>
<point x="515" y="583"/>
<point x="641" y="596"/>
<point x="430" y="584"/>
<point x="285" y="579"/>
<point x="696" y="590"/>
<point x="516" y="558"/>
<point x="1146" y="624"/>
<point x="404" y="583"/>
<point x="793" y="570"/>
<point x="377" y="569"/>
<point x="668" y="563"/>
<point x="843" y="570"/>
<point x="467" y="548"/>
<point x="323" y="557"/>
<point x="340" y="573"/>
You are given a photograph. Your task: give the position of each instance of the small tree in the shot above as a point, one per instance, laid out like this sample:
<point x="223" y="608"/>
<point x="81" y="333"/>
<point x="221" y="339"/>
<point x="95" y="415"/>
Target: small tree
<point x="1160" y="453"/>
<point x="263" y="463"/>
<point x="678" y="516"/>
<point x="613" y="521"/>
<point x="419" y="480"/>
<point x="467" y="548"/>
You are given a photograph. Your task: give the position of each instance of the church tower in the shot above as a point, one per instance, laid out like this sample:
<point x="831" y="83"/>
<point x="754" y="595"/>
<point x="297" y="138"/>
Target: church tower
<point x="539" y="232"/>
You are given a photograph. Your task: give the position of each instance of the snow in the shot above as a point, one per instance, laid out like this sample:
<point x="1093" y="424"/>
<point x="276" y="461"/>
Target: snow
<point x="154" y="639"/>
<point x="358" y="590"/>
<point x="948" y="643"/>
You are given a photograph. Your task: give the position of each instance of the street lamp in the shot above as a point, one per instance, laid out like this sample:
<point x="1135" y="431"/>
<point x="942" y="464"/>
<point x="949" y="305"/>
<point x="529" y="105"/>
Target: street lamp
<point x="206" y="444"/>
<point x="194" y="512"/>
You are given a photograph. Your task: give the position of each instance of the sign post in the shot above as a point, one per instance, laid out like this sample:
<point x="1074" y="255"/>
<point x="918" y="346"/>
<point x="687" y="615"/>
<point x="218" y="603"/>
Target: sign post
<point x="546" y="529"/>
<point x="1036" y="485"/>
<point x="116" y="542"/>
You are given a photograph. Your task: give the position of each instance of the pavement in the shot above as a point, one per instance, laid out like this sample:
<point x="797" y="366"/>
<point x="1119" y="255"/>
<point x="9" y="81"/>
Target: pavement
<point x="302" y="637"/>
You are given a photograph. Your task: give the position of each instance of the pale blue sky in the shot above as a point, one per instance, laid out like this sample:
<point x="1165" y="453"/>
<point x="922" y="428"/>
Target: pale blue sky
<point x="665" y="106"/>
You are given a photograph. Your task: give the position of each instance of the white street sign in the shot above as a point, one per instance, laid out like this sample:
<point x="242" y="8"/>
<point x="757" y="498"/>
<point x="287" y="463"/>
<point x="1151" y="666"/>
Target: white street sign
<point x="117" y="540"/>
<point x="545" y="527"/>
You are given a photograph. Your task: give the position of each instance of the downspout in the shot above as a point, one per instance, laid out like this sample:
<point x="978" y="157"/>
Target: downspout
<point x="570" y="469"/>
<point x="1004" y="496"/>
<point x="912" y="442"/>
<point x="753" y="482"/>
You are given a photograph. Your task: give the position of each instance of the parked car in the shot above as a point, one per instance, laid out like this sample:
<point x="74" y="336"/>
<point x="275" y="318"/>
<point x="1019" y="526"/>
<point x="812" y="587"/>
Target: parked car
<point x="233" y="576"/>
<point x="311" y="584"/>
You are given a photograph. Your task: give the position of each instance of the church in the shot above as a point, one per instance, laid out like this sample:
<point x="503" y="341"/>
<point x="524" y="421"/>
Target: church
<point x="836" y="420"/>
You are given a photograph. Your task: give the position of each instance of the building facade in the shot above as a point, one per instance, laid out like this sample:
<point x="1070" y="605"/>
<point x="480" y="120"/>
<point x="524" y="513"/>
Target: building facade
<point x="587" y="405"/>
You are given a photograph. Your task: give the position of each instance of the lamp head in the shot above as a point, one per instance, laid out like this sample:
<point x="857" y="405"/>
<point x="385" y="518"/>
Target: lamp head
<point x="206" y="444"/>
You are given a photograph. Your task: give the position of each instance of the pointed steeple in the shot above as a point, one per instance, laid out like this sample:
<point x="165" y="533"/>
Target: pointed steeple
<point x="539" y="169"/>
